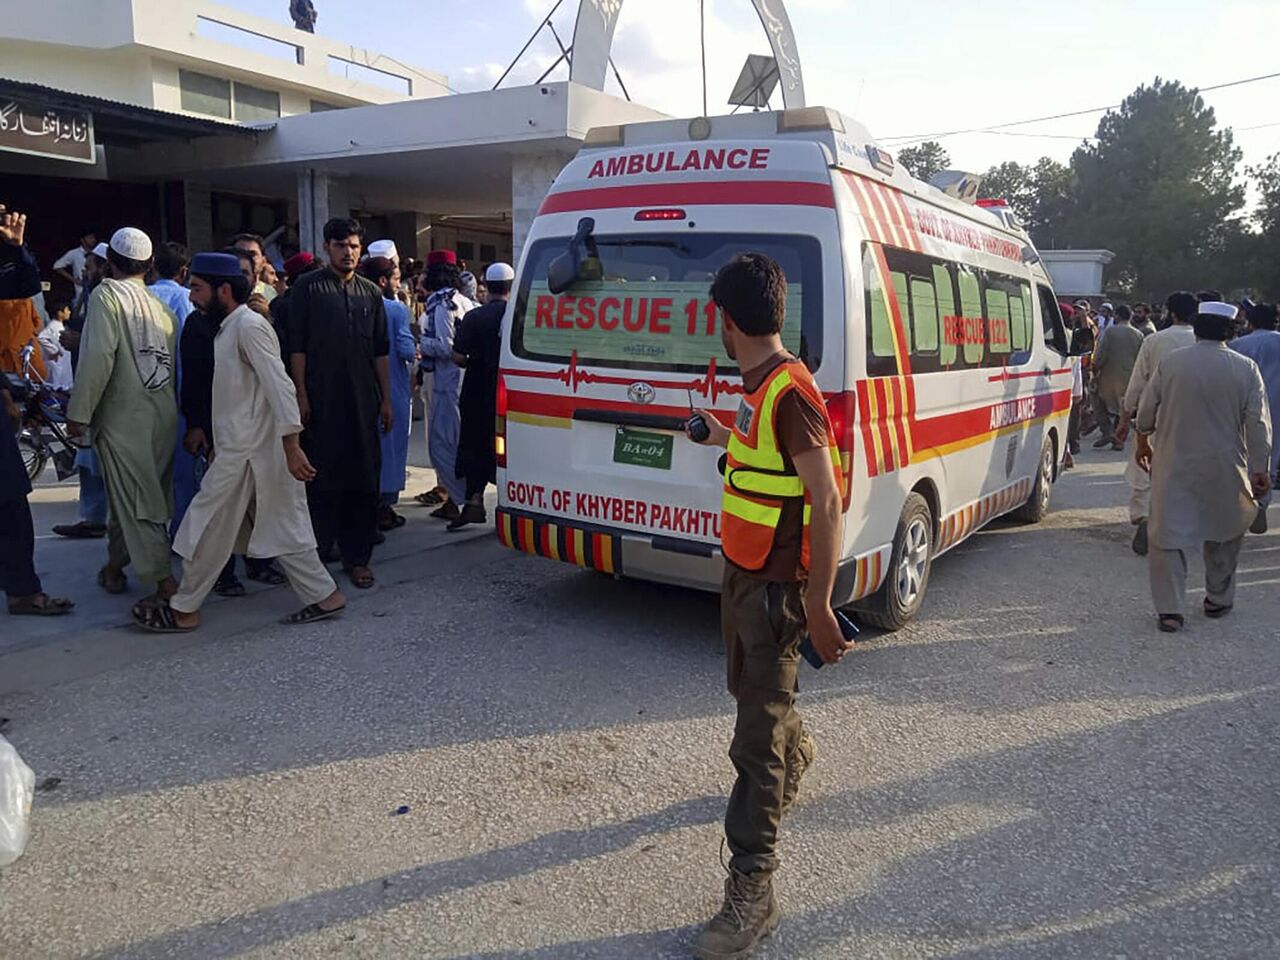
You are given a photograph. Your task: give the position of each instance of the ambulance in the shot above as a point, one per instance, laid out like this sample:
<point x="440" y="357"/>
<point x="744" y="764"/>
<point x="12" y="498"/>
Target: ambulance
<point x="927" y="319"/>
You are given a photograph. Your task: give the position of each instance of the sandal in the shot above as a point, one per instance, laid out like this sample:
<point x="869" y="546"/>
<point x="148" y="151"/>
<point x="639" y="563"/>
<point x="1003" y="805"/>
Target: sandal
<point x="447" y="511"/>
<point x="229" y="587"/>
<point x="1170" y="622"/>
<point x="311" y="613"/>
<point x="158" y="620"/>
<point x="267" y="574"/>
<point x="40" y="605"/>
<point x="1215" y="610"/>
<point x="431" y="498"/>
<point x="362" y="581"/>
<point x="116" y="584"/>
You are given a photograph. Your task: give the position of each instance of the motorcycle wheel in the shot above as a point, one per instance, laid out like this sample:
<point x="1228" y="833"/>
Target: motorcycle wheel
<point x="34" y="456"/>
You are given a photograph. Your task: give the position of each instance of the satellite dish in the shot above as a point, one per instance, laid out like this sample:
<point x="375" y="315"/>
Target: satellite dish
<point x="756" y="82"/>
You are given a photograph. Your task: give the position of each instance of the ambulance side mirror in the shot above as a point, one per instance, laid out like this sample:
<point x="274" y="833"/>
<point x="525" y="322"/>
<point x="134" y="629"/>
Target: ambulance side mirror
<point x="565" y="270"/>
<point x="561" y="273"/>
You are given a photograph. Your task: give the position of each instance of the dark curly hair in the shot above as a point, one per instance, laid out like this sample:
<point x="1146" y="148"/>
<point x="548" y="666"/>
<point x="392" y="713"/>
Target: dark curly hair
<point x="442" y="276"/>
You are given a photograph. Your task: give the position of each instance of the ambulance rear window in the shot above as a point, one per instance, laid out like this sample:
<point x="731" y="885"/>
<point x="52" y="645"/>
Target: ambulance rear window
<point x="651" y="308"/>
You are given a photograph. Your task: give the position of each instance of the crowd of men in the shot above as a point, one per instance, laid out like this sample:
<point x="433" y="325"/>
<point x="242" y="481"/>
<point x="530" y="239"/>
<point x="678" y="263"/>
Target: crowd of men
<point x="224" y="406"/>
<point x="1202" y="476"/>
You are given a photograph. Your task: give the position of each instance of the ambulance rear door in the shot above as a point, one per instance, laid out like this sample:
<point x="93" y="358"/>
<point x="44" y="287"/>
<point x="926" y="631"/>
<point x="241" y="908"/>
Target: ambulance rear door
<point x="599" y="379"/>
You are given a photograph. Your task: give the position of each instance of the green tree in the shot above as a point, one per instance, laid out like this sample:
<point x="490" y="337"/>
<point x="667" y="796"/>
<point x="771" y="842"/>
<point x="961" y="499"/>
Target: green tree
<point x="925" y="160"/>
<point x="1263" y="248"/>
<point x="1040" y="195"/>
<point x="1156" y="187"/>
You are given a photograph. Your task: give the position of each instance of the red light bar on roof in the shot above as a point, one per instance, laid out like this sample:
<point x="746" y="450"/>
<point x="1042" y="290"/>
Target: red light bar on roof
<point x="881" y="160"/>
<point x="988" y="204"/>
<point x="662" y="213"/>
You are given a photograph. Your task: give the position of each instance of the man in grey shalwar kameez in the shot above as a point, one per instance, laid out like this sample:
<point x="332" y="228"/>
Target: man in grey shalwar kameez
<point x="124" y="395"/>
<point x="1211" y="456"/>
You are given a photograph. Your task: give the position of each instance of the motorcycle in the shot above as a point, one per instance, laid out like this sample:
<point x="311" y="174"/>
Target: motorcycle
<point x="43" y="436"/>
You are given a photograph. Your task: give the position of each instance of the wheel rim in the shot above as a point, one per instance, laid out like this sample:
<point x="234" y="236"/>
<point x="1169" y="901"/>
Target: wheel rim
<point x="914" y="562"/>
<point x="31" y="459"/>
<point x="1046" y="476"/>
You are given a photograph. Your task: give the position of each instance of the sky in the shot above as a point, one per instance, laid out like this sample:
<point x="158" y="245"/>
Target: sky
<point x="950" y="66"/>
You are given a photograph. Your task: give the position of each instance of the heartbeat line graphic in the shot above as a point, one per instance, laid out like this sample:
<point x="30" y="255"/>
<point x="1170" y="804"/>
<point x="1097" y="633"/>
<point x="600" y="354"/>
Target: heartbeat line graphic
<point x="574" y="375"/>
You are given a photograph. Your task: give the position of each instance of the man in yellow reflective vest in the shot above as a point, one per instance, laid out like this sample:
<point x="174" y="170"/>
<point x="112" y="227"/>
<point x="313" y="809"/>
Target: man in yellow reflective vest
<point x="780" y="528"/>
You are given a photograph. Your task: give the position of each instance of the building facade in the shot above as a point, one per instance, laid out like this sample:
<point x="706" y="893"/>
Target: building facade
<point x="204" y="122"/>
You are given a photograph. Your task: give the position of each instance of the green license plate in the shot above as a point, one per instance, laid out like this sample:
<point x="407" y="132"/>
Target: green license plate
<point x="642" y="448"/>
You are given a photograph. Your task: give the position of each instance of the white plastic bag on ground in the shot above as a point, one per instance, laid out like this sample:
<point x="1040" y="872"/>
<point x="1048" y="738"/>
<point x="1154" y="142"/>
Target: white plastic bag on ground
<point x="17" y="783"/>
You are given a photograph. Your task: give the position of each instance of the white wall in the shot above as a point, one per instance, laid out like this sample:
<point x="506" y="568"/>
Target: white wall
<point x="111" y="74"/>
<point x="103" y="47"/>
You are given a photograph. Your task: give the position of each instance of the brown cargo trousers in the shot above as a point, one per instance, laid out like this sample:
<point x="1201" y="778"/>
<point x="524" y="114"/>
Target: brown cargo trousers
<point x="763" y="624"/>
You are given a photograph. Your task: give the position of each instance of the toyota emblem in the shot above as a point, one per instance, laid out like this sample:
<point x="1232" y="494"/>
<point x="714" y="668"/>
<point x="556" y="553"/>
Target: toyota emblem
<point x="641" y="393"/>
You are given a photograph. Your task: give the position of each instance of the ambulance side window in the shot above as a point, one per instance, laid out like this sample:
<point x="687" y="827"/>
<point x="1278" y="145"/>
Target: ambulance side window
<point x="971" y="309"/>
<point x="900" y="291"/>
<point x="1017" y="325"/>
<point x="944" y="288"/>
<point x="881" y="356"/>
<point x="998" y="321"/>
<point x="1029" y="313"/>
<point x="924" y="316"/>
<point x="1055" y="331"/>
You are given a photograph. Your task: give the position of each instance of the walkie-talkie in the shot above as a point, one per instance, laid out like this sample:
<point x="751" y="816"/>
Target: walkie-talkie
<point x="847" y="629"/>
<point x="699" y="432"/>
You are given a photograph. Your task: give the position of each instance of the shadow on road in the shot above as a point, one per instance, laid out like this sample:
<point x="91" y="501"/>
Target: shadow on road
<point x="230" y="937"/>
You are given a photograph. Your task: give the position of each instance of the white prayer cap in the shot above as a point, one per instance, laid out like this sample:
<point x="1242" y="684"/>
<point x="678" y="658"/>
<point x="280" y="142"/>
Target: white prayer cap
<point x="132" y="243"/>
<point x="499" y="273"/>
<point x="100" y="251"/>
<point x="1106" y="305"/>
<point x="1215" y="308"/>
<point x="384" y="248"/>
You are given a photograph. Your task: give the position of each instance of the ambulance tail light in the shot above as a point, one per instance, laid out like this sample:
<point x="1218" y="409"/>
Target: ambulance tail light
<point x="668" y="213"/>
<point x="841" y="411"/>
<point x="500" y="424"/>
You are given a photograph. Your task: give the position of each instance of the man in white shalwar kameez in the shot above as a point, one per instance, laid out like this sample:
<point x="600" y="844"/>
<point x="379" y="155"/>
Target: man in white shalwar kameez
<point x="1210" y="457"/>
<point x="252" y="498"/>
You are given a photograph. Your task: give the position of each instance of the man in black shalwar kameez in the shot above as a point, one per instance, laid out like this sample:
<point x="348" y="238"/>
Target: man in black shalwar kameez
<point x="477" y="346"/>
<point x="338" y="356"/>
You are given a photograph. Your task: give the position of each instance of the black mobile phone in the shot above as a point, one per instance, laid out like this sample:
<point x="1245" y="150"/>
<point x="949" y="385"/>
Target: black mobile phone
<point x="847" y="628"/>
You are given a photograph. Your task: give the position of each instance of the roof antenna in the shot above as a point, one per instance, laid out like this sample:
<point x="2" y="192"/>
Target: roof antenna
<point x="702" y="40"/>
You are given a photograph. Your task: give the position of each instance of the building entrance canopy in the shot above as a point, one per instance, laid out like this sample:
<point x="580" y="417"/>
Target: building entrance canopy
<point x="490" y="154"/>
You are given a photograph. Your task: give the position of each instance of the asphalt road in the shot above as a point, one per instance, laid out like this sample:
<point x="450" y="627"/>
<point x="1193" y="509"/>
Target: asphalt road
<point x="1031" y="770"/>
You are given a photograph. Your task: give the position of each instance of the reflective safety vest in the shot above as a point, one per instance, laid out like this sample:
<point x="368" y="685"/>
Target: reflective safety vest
<point x="757" y="480"/>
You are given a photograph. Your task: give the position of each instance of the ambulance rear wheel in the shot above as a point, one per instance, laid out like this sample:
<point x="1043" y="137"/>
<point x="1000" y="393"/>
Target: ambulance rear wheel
<point x="1037" y="505"/>
<point x="900" y="598"/>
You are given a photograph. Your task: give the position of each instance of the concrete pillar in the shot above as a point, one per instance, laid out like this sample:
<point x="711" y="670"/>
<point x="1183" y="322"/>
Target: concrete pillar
<point x="531" y="178"/>
<point x="412" y="233"/>
<point x="198" y="211"/>
<point x="321" y="197"/>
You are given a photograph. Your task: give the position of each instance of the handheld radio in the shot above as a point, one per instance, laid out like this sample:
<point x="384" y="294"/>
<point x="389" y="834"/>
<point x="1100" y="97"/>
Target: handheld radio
<point x="697" y="426"/>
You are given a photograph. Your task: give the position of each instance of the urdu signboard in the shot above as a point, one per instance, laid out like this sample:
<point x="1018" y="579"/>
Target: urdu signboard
<point x="33" y="128"/>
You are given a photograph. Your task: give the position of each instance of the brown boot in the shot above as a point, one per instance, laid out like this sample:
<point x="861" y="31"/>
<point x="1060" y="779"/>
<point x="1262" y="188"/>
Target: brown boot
<point x="749" y="914"/>
<point x="800" y="761"/>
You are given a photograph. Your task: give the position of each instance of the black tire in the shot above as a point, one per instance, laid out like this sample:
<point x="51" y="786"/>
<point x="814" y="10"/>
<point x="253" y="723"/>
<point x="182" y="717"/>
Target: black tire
<point x="899" y="599"/>
<point x="34" y="457"/>
<point x="1037" y="505"/>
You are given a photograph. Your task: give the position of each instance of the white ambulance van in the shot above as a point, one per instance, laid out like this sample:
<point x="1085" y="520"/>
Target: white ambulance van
<point x="928" y="322"/>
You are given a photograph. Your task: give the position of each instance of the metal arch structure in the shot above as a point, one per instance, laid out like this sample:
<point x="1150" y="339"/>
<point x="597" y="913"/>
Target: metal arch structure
<point x="593" y="42"/>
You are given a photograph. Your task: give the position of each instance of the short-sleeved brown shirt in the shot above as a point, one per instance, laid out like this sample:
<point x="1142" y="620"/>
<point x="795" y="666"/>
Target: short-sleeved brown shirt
<point x="800" y="427"/>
